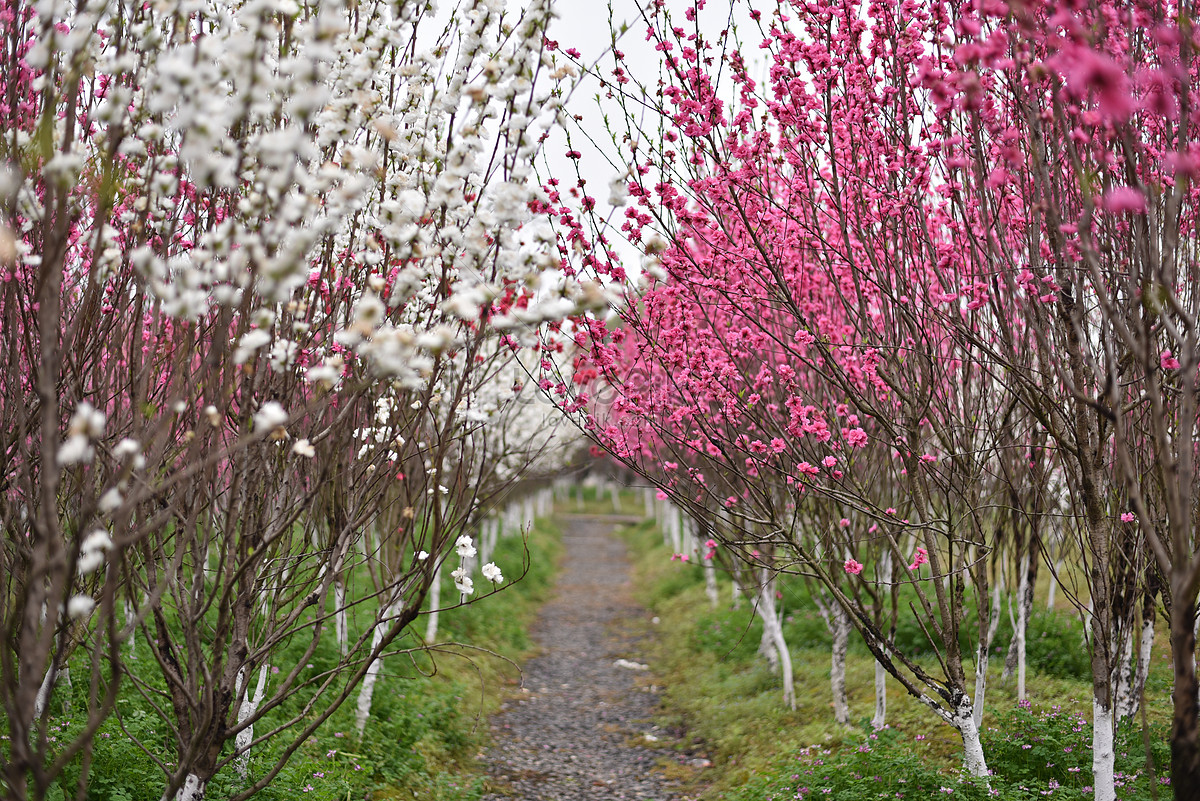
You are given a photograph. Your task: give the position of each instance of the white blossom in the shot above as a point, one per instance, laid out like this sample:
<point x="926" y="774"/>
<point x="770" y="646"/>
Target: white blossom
<point x="270" y="416"/>
<point x="91" y="551"/>
<point x="464" y="547"/>
<point x="304" y="448"/>
<point x="492" y="573"/>
<point x="80" y="606"/>
<point x="130" y="449"/>
<point x="111" y="501"/>
<point x="250" y="342"/>
<point x="462" y="581"/>
<point x="88" y="421"/>
<point x="89" y="562"/>
<point x="74" y="450"/>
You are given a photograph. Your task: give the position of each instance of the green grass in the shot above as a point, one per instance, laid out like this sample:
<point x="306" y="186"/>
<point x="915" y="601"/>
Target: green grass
<point x="428" y="716"/>
<point x="731" y="705"/>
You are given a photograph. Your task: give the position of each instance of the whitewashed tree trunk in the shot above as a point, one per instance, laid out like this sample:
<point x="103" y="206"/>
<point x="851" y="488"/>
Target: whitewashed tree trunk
<point x="973" y="758"/>
<point x="710" y="583"/>
<point x="1050" y="594"/>
<point x="837" y="622"/>
<point x="49" y="681"/>
<point x="879" y="719"/>
<point x="1145" y="651"/>
<point x="1022" y="631"/>
<point x="130" y="616"/>
<point x="1103" y="753"/>
<point x="982" y="658"/>
<point x="486" y="543"/>
<point x="249" y="706"/>
<point x="1015" y="660"/>
<point x="766" y="646"/>
<point x="1087" y="621"/>
<point x="367" y="691"/>
<point x="435" y="602"/>
<point x="981" y="668"/>
<point x="192" y="789"/>
<point x="773" y="626"/>
<point x="1123" y="686"/>
<point x="339" y="616"/>
<point x="837" y="666"/>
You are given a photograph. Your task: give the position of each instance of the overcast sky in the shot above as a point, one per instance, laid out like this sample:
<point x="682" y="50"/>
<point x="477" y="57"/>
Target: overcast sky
<point x="586" y="25"/>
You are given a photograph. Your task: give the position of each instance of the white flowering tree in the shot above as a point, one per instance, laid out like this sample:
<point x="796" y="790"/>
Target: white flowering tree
<point x="235" y="236"/>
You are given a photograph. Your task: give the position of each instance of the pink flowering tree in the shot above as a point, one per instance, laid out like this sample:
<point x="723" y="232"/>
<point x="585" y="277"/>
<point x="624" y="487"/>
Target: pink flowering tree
<point x="954" y="222"/>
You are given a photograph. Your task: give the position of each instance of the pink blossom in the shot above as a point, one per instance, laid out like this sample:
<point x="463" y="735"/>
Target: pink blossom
<point x="851" y="566"/>
<point x="1090" y="72"/>
<point x="1128" y="517"/>
<point x="1168" y="361"/>
<point x="1124" y="199"/>
<point x="921" y="557"/>
<point x="856" y="438"/>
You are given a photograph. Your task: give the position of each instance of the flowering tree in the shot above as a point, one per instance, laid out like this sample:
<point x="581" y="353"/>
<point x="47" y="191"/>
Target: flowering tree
<point x="258" y="260"/>
<point x="953" y="221"/>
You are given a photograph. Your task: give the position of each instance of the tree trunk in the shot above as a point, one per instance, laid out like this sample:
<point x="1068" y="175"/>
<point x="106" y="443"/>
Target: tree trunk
<point x="710" y="583"/>
<point x="129" y="618"/>
<point x="192" y="789"/>
<point x="1185" y="749"/>
<point x="43" y="693"/>
<point x="773" y="633"/>
<point x="837" y="667"/>
<point x="1050" y="593"/>
<point x="837" y="622"/>
<point x="1145" y="650"/>
<point x="981" y="669"/>
<point x="339" y="616"/>
<point x="984" y="657"/>
<point x="365" y="694"/>
<point x="879" y="720"/>
<point x="1126" y="706"/>
<point x="1016" y="657"/>
<point x="1103" y="754"/>
<point x="973" y="758"/>
<point x="249" y="707"/>
<point x="435" y="601"/>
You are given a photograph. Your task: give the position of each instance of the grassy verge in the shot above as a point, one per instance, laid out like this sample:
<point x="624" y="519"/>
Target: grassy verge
<point x="730" y="704"/>
<point x="428" y="717"/>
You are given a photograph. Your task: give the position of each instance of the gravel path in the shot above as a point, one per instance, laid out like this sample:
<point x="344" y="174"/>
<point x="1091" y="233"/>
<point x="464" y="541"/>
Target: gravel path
<point x="576" y="729"/>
